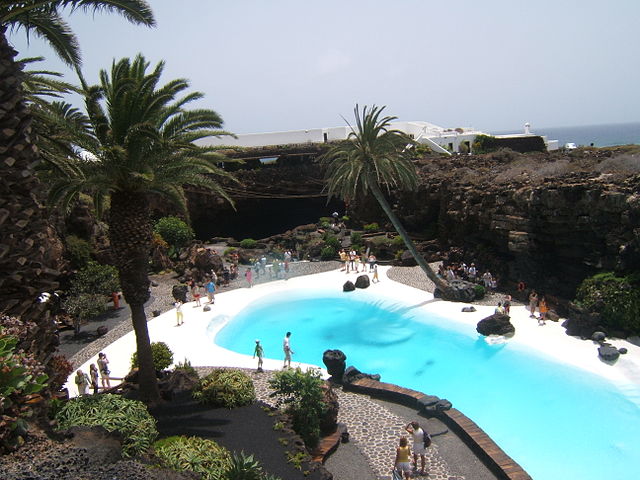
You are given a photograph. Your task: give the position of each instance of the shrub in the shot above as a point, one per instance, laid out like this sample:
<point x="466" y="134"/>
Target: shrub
<point x="78" y="250"/>
<point x="484" y="144"/>
<point x="244" y="467"/>
<point x="332" y="241"/>
<point x="194" y="454"/>
<point x="371" y="227"/>
<point x="186" y="367"/>
<point x="95" y="278"/>
<point x="479" y="291"/>
<point x="21" y="380"/>
<point x="248" y="243"/>
<point x="175" y="231"/>
<point x="162" y="356"/>
<point x="228" y="251"/>
<point x="302" y="397"/>
<point x="356" y="238"/>
<point x="617" y="299"/>
<point x="130" y="418"/>
<point x="325" y="221"/>
<point x="398" y="241"/>
<point x="83" y="306"/>
<point x="327" y="253"/>
<point x="225" y="388"/>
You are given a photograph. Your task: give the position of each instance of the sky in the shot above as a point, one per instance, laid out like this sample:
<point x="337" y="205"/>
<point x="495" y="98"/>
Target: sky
<point x="272" y="65"/>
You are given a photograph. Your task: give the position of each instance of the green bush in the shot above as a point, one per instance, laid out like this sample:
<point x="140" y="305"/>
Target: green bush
<point x="130" y="418"/>
<point x="84" y="306"/>
<point x="332" y="241"/>
<point x="186" y="367"/>
<point x="398" y="241"/>
<point x="21" y="380"/>
<point x="244" y="467"/>
<point x="371" y="227"/>
<point x="356" y="238"/>
<point x="325" y="221"/>
<point x="162" y="356"/>
<point x="328" y="253"/>
<point x="78" y="250"/>
<point x="228" y="251"/>
<point x="227" y="388"/>
<point x="95" y="278"/>
<point x="194" y="454"/>
<point x="175" y="231"/>
<point x="248" y="243"/>
<point x="484" y="144"/>
<point x="479" y="291"/>
<point x="617" y="299"/>
<point x="302" y="397"/>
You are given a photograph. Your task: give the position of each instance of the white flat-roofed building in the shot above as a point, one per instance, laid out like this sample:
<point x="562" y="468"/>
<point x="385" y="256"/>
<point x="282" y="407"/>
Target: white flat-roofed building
<point x="439" y="139"/>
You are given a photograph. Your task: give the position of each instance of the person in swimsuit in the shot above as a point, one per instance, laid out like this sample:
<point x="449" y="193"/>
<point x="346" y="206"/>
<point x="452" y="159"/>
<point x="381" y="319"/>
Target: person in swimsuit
<point x="403" y="458"/>
<point x="258" y="352"/>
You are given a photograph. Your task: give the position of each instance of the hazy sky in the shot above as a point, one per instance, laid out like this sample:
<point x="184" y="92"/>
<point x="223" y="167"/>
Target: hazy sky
<point x="269" y="65"/>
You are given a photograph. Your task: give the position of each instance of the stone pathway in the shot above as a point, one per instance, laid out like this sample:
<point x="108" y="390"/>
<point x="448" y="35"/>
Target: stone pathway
<point x="372" y="428"/>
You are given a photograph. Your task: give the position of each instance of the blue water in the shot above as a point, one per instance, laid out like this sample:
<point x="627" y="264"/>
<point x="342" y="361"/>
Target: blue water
<point x="600" y="135"/>
<point x="556" y="421"/>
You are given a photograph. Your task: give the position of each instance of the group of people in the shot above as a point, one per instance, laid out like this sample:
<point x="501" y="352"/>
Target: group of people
<point x="286" y="348"/>
<point x="541" y="304"/>
<point x="421" y="440"/>
<point x="355" y="263"/>
<point x="470" y="273"/>
<point x="84" y="381"/>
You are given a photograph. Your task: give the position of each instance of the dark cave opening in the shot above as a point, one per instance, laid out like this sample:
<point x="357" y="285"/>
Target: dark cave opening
<point x="262" y="218"/>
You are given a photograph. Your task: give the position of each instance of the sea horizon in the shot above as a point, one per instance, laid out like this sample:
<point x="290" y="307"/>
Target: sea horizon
<point x="603" y="135"/>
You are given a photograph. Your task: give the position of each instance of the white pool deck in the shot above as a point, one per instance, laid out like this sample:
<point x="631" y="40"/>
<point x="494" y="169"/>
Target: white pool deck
<point x="194" y="339"/>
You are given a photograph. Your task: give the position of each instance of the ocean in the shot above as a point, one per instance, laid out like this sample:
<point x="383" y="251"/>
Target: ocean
<point x="598" y="135"/>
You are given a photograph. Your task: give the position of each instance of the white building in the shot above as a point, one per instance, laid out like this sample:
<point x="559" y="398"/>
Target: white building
<point x="439" y="139"/>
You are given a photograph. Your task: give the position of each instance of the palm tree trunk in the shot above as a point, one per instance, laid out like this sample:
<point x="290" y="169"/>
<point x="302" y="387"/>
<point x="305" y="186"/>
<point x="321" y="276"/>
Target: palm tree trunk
<point x="26" y="259"/>
<point x="439" y="282"/>
<point x="130" y="236"/>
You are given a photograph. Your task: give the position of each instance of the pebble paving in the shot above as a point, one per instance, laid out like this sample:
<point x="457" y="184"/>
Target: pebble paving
<point x="372" y="428"/>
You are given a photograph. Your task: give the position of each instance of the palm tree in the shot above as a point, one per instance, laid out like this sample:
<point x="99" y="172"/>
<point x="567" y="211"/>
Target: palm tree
<point x="376" y="156"/>
<point x="139" y="145"/>
<point x="26" y="264"/>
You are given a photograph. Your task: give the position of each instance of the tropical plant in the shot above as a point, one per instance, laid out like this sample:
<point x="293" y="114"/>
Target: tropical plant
<point x="115" y="413"/>
<point x="24" y="239"/>
<point x="371" y="227"/>
<point x="375" y="156"/>
<point x="301" y="395"/>
<point x="225" y="388"/>
<point x="140" y="145"/>
<point x="194" y="454"/>
<point x="356" y="238"/>
<point x="95" y="278"/>
<point x="162" y="356"/>
<point x="332" y="241"/>
<point x="617" y="299"/>
<point x="83" y="306"/>
<point x="244" y="467"/>
<point x="21" y="380"/>
<point x="175" y="231"/>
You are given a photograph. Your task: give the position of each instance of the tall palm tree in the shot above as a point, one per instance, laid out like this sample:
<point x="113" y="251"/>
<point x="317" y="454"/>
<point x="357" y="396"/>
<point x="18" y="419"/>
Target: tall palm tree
<point x="140" y="145"/>
<point x="26" y="266"/>
<point x="376" y="157"/>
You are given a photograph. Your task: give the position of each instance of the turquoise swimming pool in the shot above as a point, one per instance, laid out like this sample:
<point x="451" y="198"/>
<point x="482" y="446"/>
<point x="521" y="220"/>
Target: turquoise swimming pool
<point x="556" y="421"/>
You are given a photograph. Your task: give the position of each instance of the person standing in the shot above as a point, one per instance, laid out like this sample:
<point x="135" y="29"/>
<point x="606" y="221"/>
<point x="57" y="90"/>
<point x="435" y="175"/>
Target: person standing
<point x="286" y="347"/>
<point x="499" y="308"/>
<point x="195" y="292"/>
<point x="533" y="303"/>
<point x="179" y="314"/>
<point x="402" y="462"/>
<point x="103" y="367"/>
<point x="211" y="290"/>
<point x="419" y="448"/>
<point x="82" y="382"/>
<point x="542" y="306"/>
<point x="93" y="373"/>
<point x="248" y="276"/>
<point x="375" y="273"/>
<point x="258" y="352"/>
<point x="507" y="304"/>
